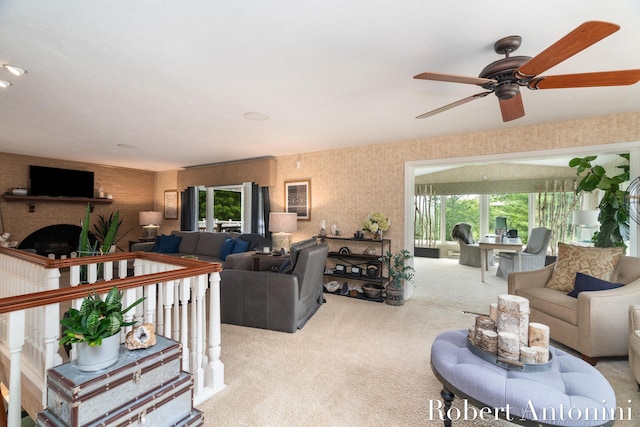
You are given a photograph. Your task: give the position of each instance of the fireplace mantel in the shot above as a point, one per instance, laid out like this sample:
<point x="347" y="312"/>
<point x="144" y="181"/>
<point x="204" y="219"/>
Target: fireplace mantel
<point x="32" y="200"/>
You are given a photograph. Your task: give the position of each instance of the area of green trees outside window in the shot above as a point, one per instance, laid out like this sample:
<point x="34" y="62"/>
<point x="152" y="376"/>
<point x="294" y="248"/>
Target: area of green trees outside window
<point x="466" y="208"/>
<point x="226" y="205"/>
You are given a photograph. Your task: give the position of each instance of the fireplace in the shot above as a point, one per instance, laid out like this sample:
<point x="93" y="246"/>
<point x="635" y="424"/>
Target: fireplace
<point x="59" y="239"/>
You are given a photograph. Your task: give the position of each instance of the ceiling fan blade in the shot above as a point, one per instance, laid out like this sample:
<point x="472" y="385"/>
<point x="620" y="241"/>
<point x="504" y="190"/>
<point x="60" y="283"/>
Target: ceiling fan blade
<point x="454" y="78"/>
<point x="606" y="78"/>
<point x="453" y="104"/>
<point x="577" y="40"/>
<point x="512" y="108"/>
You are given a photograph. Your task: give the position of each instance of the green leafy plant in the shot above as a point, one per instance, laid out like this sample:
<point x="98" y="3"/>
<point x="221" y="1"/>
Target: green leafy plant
<point x="399" y="272"/>
<point x="97" y="319"/>
<point x="106" y="229"/>
<point x="613" y="216"/>
<point x="85" y="248"/>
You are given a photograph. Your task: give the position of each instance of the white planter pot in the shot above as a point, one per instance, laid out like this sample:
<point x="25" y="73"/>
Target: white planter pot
<point x="98" y="357"/>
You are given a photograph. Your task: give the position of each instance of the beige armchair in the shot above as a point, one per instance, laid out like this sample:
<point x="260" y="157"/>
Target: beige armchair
<point x="634" y="341"/>
<point x="594" y="323"/>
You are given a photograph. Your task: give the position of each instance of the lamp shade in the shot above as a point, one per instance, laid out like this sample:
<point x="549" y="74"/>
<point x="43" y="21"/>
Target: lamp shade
<point x="283" y="222"/>
<point x="586" y="217"/>
<point x="150" y="218"/>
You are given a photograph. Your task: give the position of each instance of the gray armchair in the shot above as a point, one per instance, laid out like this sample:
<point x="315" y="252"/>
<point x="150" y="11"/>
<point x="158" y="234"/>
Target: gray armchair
<point x="469" y="249"/>
<point x="272" y="300"/>
<point x="533" y="256"/>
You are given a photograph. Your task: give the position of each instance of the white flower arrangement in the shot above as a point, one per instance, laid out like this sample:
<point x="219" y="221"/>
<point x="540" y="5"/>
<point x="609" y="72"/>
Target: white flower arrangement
<point x="376" y="221"/>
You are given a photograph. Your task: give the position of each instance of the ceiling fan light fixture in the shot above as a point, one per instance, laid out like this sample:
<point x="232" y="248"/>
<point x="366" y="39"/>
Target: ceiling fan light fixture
<point x="4" y="84"/>
<point x="16" y="71"/>
<point x="507" y="90"/>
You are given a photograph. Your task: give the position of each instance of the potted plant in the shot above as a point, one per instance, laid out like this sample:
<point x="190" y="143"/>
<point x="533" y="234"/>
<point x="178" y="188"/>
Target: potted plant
<point x="95" y="328"/>
<point x="106" y="230"/>
<point x="613" y="216"/>
<point x="399" y="273"/>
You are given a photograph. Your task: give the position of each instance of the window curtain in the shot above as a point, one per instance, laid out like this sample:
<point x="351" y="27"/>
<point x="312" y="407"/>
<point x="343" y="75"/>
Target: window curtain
<point x="260" y="210"/>
<point x="189" y="209"/>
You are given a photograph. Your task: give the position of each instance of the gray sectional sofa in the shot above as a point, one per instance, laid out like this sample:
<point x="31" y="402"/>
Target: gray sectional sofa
<point x="208" y="246"/>
<point x="279" y="301"/>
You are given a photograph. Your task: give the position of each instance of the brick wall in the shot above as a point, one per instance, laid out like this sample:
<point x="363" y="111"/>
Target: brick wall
<point x="132" y="191"/>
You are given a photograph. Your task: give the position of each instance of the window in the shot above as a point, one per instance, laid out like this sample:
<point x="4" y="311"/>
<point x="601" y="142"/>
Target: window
<point x="514" y="207"/>
<point x="227" y="207"/>
<point x="462" y="208"/>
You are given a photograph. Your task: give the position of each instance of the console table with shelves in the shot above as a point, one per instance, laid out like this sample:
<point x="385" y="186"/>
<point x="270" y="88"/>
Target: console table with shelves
<point x="360" y="260"/>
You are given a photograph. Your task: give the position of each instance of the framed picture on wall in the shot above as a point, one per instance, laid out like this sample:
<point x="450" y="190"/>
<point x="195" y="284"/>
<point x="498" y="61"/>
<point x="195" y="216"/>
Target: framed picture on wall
<point x="171" y="204"/>
<point x="297" y="198"/>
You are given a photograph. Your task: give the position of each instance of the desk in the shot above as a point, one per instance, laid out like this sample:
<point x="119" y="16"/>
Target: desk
<point x="509" y="244"/>
<point x="563" y="395"/>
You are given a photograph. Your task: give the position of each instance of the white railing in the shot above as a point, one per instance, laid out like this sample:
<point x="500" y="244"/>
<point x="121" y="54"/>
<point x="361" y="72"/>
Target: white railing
<point x="182" y="300"/>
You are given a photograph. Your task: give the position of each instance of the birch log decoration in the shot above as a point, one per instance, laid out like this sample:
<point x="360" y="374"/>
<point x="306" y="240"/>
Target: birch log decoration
<point x="487" y="341"/>
<point x="542" y="354"/>
<point x="493" y="311"/>
<point x="513" y="317"/>
<point x="538" y="335"/>
<point x="483" y="323"/>
<point x="528" y="355"/>
<point x="509" y="345"/>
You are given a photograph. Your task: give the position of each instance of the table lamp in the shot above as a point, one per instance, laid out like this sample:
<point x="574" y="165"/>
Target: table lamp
<point x="585" y="223"/>
<point x="282" y="224"/>
<point x="150" y="222"/>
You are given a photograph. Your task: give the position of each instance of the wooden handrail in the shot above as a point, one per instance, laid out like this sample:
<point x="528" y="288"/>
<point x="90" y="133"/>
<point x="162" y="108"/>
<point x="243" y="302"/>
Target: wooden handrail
<point x="191" y="268"/>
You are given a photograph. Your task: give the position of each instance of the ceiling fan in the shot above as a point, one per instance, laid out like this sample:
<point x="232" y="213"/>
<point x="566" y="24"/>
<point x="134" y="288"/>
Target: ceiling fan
<point x="505" y="76"/>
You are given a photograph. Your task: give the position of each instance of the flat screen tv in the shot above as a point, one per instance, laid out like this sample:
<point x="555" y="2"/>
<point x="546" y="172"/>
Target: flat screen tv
<point x="56" y="182"/>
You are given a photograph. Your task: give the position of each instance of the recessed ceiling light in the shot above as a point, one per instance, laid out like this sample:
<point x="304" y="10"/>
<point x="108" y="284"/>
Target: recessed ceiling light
<point x="4" y="83"/>
<point x="16" y="71"/>
<point x="255" y="116"/>
<point x="129" y="146"/>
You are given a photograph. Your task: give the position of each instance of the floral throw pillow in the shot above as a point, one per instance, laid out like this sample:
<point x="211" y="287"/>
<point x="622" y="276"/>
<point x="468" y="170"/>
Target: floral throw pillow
<point x="595" y="262"/>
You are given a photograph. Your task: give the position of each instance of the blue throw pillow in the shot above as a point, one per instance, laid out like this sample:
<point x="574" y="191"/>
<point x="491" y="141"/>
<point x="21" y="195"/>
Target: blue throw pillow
<point x="227" y="248"/>
<point x="169" y="245"/>
<point x="588" y="283"/>
<point x="240" y="246"/>
<point x="284" y="267"/>
<point x="156" y="245"/>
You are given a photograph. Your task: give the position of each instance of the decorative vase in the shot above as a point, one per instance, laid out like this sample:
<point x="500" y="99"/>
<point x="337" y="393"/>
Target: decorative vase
<point x="98" y="357"/>
<point x="378" y="235"/>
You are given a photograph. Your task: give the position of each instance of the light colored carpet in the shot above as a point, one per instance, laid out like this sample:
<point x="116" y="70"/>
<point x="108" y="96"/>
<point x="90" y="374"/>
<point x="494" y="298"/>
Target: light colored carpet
<point x="359" y="363"/>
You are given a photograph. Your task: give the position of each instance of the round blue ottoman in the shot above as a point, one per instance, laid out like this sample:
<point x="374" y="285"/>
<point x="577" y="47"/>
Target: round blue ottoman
<point x="570" y="393"/>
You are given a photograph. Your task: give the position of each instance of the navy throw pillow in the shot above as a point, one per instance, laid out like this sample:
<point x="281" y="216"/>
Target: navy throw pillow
<point x="284" y="267"/>
<point x="585" y="282"/>
<point x="227" y="248"/>
<point x="240" y="246"/>
<point x="156" y="245"/>
<point x="169" y="244"/>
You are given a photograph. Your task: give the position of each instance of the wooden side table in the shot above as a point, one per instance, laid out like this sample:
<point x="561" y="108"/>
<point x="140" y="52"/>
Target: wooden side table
<point x="267" y="261"/>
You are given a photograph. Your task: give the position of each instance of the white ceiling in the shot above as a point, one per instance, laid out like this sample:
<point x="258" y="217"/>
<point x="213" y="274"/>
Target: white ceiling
<point x="174" y="78"/>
